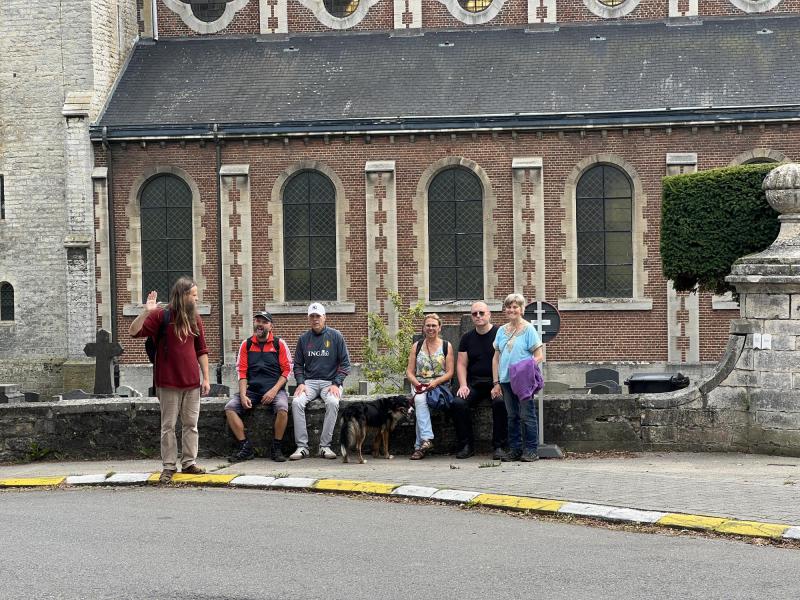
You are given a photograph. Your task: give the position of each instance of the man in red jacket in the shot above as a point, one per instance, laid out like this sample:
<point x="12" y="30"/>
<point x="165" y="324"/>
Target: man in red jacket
<point x="177" y="378"/>
<point x="264" y="363"/>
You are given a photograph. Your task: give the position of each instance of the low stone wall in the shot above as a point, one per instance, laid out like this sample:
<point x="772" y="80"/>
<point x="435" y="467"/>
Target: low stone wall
<point x="685" y="420"/>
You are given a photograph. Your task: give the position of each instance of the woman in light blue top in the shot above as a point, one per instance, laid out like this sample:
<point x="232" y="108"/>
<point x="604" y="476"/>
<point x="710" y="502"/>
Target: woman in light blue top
<point x="516" y="341"/>
<point x="428" y="366"/>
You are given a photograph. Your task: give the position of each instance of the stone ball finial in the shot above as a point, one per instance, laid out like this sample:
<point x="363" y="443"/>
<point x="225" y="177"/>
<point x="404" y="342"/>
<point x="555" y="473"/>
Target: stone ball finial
<point x="782" y="186"/>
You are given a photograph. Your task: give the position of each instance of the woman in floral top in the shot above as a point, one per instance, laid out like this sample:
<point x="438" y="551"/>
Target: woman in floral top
<point x="430" y="369"/>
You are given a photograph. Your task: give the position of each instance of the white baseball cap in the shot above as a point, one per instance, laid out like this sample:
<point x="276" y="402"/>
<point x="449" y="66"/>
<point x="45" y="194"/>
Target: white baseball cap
<point x="316" y="309"/>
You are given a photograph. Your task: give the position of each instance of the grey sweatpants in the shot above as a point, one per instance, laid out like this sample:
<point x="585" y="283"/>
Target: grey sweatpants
<point x="315" y="388"/>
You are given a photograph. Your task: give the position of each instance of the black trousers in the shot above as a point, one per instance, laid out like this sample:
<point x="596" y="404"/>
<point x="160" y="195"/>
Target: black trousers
<point x="461" y="412"/>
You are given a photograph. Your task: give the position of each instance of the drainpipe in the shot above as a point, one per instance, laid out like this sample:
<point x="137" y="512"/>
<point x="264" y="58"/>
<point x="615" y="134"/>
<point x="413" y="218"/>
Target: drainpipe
<point x="218" y="148"/>
<point x="112" y="242"/>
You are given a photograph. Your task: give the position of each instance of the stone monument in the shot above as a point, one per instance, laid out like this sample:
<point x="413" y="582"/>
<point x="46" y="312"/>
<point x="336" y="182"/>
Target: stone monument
<point x="103" y="351"/>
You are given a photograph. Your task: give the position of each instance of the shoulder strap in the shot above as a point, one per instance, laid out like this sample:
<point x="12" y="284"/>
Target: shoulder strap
<point x="276" y="342"/>
<point x="249" y="343"/>
<point x="415" y="350"/>
<point x="445" y="347"/>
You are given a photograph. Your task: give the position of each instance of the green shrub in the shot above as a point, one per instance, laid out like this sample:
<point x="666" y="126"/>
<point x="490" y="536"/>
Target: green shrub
<point x="386" y="354"/>
<point x="711" y="218"/>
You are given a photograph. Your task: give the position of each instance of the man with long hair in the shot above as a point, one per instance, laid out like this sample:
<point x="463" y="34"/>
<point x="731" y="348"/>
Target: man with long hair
<point x="177" y="378"/>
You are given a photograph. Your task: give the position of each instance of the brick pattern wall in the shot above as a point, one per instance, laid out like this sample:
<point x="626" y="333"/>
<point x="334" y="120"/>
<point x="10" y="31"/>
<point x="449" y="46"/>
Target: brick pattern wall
<point x="381" y="16"/>
<point x="625" y="335"/>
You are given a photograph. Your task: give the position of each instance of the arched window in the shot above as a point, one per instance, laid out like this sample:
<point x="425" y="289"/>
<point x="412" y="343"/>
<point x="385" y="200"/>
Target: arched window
<point x="603" y="211"/>
<point x="166" y="212"/>
<point x="309" y="237"/>
<point x="340" y="8"/>
<point x="6" y="301"/>
<point x="455" y="235"/>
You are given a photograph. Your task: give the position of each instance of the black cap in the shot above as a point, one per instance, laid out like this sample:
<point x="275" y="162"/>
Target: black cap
<point x="263" y="314"/>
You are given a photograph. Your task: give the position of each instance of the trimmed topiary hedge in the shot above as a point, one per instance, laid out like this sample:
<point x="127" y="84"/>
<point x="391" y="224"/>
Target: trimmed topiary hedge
<point x="711" y="218"/>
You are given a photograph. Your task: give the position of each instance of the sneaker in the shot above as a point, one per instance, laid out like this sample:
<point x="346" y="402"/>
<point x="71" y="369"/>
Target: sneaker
<point x="245" y="452"/>
<point x="166" y="475"/>
<point x="277" y="454"/>
<point x="193" y="470"/>
<point x="511" y="456"/>
<point x="530" y="456"/>
<point x="465" y="452"/>
<point x="300" y="453"/>
<point x="326" y="452"/>
<point x="498" y="454"/>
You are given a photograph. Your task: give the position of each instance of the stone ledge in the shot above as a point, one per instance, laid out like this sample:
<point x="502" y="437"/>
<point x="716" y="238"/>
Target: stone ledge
<point x="134" y="310"/>
<point x="301" y="308"/>
<point x="570" y="304"/>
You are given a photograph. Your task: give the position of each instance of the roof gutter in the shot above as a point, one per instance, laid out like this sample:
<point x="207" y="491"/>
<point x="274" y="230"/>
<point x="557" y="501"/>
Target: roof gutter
<point x="684" y="117"/>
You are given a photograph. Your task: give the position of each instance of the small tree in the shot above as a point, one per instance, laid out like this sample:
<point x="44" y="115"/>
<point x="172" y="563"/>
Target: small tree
<point x="386" y="355"/>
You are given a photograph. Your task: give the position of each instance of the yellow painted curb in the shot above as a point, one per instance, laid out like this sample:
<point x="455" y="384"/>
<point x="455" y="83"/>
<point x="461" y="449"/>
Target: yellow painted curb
<point x="32" y="481"/>
<point x="203" y="479"/>
<point x="691" y="521"/>
<point x="752" y="529"/>
<point x="346" y="485"/>
<point x="154" y="478"/>
<point x="518" y="502"/>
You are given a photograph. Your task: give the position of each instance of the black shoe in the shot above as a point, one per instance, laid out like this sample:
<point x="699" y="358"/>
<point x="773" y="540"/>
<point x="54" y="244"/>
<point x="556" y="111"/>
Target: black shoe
<point x="498" y="454"/>
<point x="530" y="456"/>
<point x="512" y="455"/>
<point x="465" y="452"/>
<point x="277" y="454"/>
<point x="245" y="452"/>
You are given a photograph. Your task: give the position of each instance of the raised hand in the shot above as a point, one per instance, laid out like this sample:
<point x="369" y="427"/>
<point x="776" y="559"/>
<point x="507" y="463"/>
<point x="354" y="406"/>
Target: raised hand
<point x="151" y="303"/>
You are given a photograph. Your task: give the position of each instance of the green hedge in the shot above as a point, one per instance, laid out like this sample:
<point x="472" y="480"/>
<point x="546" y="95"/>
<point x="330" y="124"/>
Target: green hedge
<point x="711" y="218"/>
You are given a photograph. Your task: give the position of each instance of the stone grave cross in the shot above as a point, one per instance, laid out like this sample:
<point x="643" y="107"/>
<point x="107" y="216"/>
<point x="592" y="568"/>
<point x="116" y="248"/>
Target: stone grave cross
<point x="103" y="351"/>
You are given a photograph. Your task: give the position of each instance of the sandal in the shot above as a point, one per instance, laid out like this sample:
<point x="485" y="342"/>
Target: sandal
<point x="419" y="454"/>
<point x="426" y="445"/>
<point x="166" y="475"/>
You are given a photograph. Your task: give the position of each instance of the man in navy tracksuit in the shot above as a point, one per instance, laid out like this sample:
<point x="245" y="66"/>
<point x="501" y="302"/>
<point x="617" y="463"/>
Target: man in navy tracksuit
<point x="321" y="364"/>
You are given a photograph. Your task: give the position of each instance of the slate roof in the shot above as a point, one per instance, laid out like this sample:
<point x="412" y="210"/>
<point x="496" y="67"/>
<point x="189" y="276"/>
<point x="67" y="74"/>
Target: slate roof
<point x="441" y="76"/>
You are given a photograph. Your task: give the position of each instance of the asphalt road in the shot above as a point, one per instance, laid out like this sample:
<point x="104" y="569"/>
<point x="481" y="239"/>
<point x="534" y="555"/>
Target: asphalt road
<point x="249" y="544"/>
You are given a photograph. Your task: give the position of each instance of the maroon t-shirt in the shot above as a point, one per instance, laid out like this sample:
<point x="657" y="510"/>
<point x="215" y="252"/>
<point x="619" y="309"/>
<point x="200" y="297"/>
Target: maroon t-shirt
<point x="180" y="369"/>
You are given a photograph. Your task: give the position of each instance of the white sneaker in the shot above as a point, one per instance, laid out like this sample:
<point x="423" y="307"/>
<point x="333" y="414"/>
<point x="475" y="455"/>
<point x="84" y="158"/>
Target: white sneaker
<point x="300" y="453"/>
<point x="326" y="452"/>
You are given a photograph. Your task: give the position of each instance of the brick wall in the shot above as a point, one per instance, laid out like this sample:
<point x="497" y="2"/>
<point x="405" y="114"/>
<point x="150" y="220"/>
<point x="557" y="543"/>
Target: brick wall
<point x="436" y="15"/>
<point x="585" y="336"/>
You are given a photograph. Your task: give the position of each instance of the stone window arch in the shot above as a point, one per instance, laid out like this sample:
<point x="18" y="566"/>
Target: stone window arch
<point x="758" y="155"/>
<point x="139" y="256"/>
<point x="455" y="230"/>
<point x="203" y="16"/>
<point x="6" y="301"/>
<point x="623" y="174"/>
<point x="755" y="6"/>
<point x="436" y="177"/>
<point x="339" y="14"/>
<point x="474" y="12"/>
<point x="611" y="9"/>
<point x="294" y="181"/>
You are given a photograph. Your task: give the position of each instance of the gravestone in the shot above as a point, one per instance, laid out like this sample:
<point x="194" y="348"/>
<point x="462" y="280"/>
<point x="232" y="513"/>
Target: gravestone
<point x="218" y="390"/>
<point x="125" y="391"/>
<point x="74" y="395"/>
<point x="32" y="397"/>
<point x="556" y="387"/>
<point x="103" y="351"/>
<point x="601" y="376"/>
<point x="9" y="394"/>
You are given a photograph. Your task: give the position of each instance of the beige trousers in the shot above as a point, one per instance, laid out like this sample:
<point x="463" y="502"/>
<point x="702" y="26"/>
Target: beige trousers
<point x="185" y="403"/>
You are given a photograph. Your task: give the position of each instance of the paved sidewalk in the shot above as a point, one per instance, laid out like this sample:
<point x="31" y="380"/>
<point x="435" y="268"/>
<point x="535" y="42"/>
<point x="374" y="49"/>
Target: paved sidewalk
<point x="739" y="486"/>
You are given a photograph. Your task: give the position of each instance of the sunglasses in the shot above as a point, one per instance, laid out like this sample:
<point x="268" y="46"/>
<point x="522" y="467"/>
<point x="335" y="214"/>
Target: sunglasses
<point x="478" y="313"/>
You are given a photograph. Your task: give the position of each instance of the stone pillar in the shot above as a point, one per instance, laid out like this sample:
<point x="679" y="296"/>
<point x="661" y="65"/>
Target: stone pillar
<point x="766" y="379"/>
<point x="683" y="308"/>
<point x="81" y="305"/>
<point x="237" y="257"/>
<point x="102" y="244"/>
<point x="381" y="226"/>
<point x="273" y="16"/>
<point x="541" y="11"/>
<point x="407" y="14"/>
<point x="527" y="193"/>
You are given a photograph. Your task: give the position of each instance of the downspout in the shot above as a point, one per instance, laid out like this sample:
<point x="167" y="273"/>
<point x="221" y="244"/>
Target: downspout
<point x="218" y="148"/>
<point x="112" y="241"/>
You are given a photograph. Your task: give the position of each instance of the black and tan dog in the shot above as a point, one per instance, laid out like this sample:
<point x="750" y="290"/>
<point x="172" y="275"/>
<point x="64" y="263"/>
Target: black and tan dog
<point x="380" y="417"/>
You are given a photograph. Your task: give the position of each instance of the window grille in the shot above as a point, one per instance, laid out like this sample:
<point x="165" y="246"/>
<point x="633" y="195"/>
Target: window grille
<point x="207" y="12"/>
<point x="309" y="237"/>
<point x="603" y="210"/>
<point x="6" y="301"/>
<point x="167" y="234"/>
<point x="475" y="6"/>
<point x="455" y="236"/>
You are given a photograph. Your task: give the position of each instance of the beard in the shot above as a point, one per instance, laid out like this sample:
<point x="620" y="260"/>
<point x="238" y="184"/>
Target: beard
<point x="191" y="312"/>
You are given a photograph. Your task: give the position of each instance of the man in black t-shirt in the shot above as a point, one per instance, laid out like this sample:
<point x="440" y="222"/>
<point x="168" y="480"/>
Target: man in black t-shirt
<point x="474" y="372"/>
